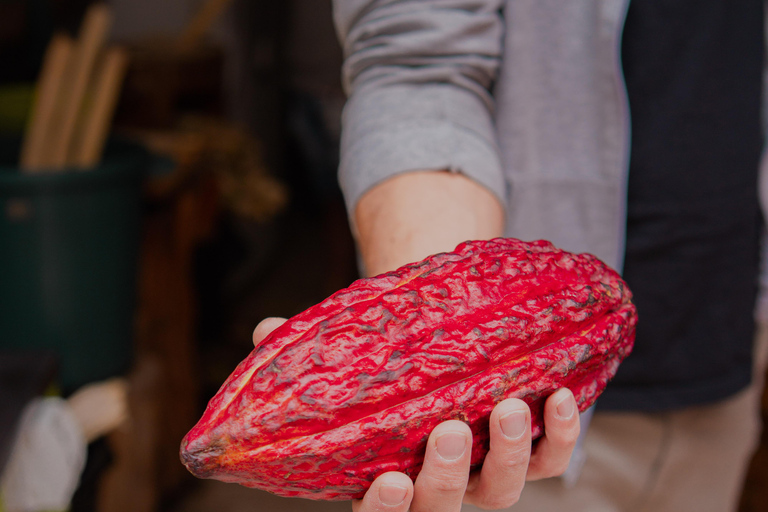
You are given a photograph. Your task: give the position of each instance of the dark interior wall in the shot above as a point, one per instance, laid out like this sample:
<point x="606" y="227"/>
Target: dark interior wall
<point x="275" y="53"/>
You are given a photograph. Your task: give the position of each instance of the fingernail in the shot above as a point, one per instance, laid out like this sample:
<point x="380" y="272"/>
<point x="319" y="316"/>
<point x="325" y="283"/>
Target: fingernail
<point x="513" y="424"/>
<point x="566" y="408"/>
<point x="451" y="445"/>
<point x="392" y="495"/>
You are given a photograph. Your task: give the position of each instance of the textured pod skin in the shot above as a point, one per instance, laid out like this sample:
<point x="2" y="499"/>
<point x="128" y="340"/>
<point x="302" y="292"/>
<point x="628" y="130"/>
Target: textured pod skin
<point x="352" y="387"/>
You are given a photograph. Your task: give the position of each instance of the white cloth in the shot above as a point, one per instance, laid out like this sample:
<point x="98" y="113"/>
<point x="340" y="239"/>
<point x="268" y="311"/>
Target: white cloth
<point x="47" y="459"/>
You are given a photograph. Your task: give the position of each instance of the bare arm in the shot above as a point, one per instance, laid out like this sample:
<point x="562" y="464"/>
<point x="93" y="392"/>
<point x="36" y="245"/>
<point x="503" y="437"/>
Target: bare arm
<point x="412" y="215"/>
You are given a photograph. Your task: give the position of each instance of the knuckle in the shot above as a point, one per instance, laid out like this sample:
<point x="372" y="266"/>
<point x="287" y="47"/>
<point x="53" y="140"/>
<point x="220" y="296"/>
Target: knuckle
<point x="500" y="502"/>
<point x="445" y="483"/>
<point x="565" y="437"/>
<point x="570" y="440"/>
<point x="515" y="459"/>
<point x="552" y="470"/>
<point x="451" y="485"/>
<point x="557" y="470"/>
<point x="561" y="468"/>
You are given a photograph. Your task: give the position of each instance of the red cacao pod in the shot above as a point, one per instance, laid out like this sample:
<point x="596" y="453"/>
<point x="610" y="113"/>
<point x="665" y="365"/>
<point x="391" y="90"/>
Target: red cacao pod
<point x="352" y="387"/>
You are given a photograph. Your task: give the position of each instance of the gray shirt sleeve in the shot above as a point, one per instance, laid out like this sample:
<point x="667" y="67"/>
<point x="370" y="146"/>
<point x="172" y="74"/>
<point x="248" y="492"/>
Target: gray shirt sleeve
<point x="418" y="74"/>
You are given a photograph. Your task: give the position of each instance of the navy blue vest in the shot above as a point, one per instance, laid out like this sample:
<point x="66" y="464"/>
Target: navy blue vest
<point x="693" y="70"/>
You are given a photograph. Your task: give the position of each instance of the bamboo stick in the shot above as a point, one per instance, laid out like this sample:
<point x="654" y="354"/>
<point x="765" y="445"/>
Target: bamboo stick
<point x="95" y="125"/>
<point x="92" y="35"/>
<point x="35" y="147"/>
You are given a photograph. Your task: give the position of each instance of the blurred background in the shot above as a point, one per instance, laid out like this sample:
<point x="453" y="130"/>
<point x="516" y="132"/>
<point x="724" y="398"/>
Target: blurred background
<point x="167" y="180"/>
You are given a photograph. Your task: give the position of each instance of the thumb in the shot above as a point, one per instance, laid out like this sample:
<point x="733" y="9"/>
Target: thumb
<point x="265" y="327"/>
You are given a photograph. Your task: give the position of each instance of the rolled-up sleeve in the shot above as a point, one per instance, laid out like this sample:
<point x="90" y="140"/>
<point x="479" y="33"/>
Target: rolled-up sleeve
<point x="418" y="74"/>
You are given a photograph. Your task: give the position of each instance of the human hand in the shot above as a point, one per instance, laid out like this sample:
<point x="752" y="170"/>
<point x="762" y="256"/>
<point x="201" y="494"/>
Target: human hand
<point x="445" y="481"/>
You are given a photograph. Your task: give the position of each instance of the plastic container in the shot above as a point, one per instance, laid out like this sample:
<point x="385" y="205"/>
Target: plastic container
<point x="68" y="262"/>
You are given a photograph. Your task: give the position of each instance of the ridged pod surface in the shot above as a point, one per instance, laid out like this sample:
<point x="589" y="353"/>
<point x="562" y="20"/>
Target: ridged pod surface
<point x="352" y="387"/>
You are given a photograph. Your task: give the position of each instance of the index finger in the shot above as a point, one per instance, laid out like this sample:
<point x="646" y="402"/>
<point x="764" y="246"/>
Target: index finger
<point x="390" y="492"/>
<point x="442" y="481"/>
<point x="502" y="477"/>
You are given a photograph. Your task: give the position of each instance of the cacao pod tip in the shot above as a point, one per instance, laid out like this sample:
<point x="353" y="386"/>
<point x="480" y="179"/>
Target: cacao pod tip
<point x="199" y="456"/>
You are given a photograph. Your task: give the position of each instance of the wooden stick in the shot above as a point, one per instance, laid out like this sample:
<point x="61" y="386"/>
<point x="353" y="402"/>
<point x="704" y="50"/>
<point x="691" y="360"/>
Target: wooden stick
<point x="93" y="33"/>
<point x="35" y="145"/>
<point x="95" y="125"/>
<point x="200" y="24"/>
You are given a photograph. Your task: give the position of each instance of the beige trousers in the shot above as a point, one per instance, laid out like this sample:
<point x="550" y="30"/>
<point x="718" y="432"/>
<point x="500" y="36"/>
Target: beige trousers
<point x="694" y="459"/>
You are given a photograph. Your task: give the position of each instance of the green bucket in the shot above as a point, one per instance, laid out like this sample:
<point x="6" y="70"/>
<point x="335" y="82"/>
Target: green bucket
<point x="68" y="262"/>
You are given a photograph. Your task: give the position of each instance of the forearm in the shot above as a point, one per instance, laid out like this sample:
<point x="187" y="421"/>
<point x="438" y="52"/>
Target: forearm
<point x="419" y="75"/>
<point x="415" y="214"/>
